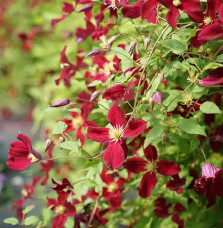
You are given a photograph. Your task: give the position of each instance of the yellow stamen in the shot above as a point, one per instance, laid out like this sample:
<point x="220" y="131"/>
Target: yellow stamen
<point x="116" y="133"/>
<point x="60" y="209"/>
<point x="176" y="2"/>
<point x="77" y="122"/>
<point x="112" y="187"/>
<point x="207" y="20"/>
<point x="151" y="166"/>
<point x="32" y="157"/>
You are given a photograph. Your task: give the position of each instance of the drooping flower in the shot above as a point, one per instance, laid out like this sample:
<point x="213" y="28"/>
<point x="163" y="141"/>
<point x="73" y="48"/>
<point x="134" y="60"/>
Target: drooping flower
<point x="210" y="183"/>
<point x="163" y="210"/>
<point x="176" y="184"/>
<point x="150" y="166"/>
<point x="115" y="154"/>
<point x="118" y="93"/>
<point x="21" y="154"/>
<point x="63" y="189"/>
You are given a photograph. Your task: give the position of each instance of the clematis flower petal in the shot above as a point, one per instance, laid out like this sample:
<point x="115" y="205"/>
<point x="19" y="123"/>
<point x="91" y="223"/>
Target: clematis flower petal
<point x="214" y="78"/>
<point x="150" y="153"/>
<point x="209" y="171"/>
<point x="132" y="11"/>
<point x="135" y="164"/>
<point x="114" y="155"/>
<point x="172" y="16"/>
<point x="118" y="93"/>
<point x="134" y="128"/>
<point x="178" y="221"/>
<point x="116" y="116"/>
<point x="167" y="168"/>
<point x="147" y="184"/>
<point x="106" y="178"/>
<point x="98" y="134"/>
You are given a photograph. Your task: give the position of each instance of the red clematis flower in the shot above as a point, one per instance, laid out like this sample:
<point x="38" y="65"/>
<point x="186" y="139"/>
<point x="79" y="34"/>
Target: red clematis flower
<point x="21" y="154"/>
<point x="67" y="10"/>
<point x="214" y="78"/>
<point x="176" y="184"/>
<point x="114" y="155"/>
<point x="112" y="192"/>
<point x="68" y="69"/>
<point x="150" y="166"/>
<point x="63" y="189"/>
<point x="210" y="183"/>
<point x="191" y="7"/>
<point x="118" y="93"/>
<point x="211" y="27"/>
<point x="162" y="210"/>
<point x="63" y="210"/>
<point x="28" y="190"/>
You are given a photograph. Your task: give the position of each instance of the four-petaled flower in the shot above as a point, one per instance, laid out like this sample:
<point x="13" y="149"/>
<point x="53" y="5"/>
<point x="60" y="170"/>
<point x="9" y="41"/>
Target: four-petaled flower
<point x="116" y="152"/>
<point x="150" y="166"/>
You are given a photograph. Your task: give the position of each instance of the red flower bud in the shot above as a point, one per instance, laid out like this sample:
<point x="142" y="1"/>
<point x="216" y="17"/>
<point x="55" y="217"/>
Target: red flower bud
<point x="86" y="7"/>
<point x="94" y="52"/>
<point x="61" y="103"/>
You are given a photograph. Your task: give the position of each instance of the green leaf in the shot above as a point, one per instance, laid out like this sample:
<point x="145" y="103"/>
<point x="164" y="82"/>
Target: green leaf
<point x="59" y="127"/>
<point x="210" y="108"/>
<point x="95" y="83"/>
<point x="154" y="133"/>
<point x="31" y="220"/>
<point x="11" y="220"/>
<point x="194" y="144"/>
<point x="123" y="173"/>
<point x="28" y="209"/>
<point x="70" y="145"/>
<point x="154" y="86"/>
<point x="220" y="58"/>
<point x="212" y="65"/>
<point x="190" y="126"/>
<point x="175" y="46"/>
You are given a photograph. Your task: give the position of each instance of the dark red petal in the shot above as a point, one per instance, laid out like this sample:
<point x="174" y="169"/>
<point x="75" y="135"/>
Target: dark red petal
<point x="98" y="134"/>
<point x="178" y="221"/>
<point x="59" y="221"/>
<point x="132" y="11"/>
<point x="148" y="8"/>
<point x="167" y="168"/>
<point x="150" y="153"/>
<point x="212" y="8"/>
<point x="135" y="164"/>
<point x="114" y="155"/>
<point x="179" y="207"/>
<point x="25" y="140"/>
<point x="172" y="16"/>
<point x="147" y="184"/>
<point x="134" y="128"/>
<point x="211" y="80"/>
<point x="116" y="116"/>
<point x="106" y="178"/>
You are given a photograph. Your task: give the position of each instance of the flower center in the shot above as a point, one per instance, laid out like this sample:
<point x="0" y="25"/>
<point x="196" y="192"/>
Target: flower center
<point x="116" y="133"/>
<point x="207" y="20"/>
<point x="24" y="193"/>
<point x="112" y="187"/>
<point x="176" y="2"/>
<point x="151" y="166"/>
<point x="171" y="210"/>
<point x="187" y="99"/>
<point x="60" y="209"/>
<point x="108" y="67"/>
<point x="77" y="122"/>
<point x="67" y="188"/>
<point x="32" y="157"/>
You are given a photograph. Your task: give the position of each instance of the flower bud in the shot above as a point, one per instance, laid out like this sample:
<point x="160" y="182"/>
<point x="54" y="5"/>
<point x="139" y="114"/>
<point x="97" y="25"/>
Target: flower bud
<point x="209" y="171"/>
<point x="110" y="42"/>
<point x="94" y="52"/>
<point x="132" y="47"/>
<point x="86" y="7"/>
<point x="146" y="43"/>
<point x="157" y="96"/>
<point x="47" y="144"/>
<point x="151" y="103"/>
<point x="61" y="139"/>
<point x="94" y="95"/>
<point x="61" y="103"/>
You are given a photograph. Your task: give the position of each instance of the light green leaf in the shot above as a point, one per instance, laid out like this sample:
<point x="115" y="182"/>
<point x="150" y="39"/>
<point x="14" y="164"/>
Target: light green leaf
<point x="210" y="108"/>
<point x="154" y="133"/>
<point x="190" y="126"/>
<point x="31" y="220"/>
<point x="123" y="173"/>
<point x="28" y="209"/>
<point x="154" y="86"/>
<point x="220" y="58"/>
<point x="59" y="127"/>
<point x="11" y="220"/>
<point x="70" y="145"/>
<point x="212" y="65"/>
<point x="175" y="46"/>
<point x="95" y="83"/>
